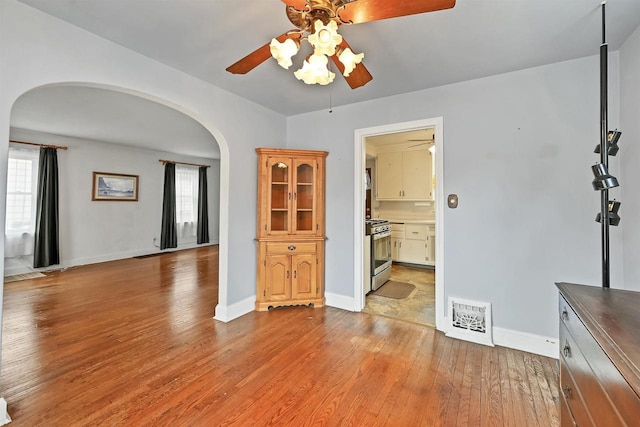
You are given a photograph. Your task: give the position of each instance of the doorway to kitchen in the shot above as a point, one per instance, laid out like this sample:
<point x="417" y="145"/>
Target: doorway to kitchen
<point x="399" y="189"/>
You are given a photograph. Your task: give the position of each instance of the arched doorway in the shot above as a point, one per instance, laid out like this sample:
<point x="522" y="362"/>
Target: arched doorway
<point x="78" y="101"/>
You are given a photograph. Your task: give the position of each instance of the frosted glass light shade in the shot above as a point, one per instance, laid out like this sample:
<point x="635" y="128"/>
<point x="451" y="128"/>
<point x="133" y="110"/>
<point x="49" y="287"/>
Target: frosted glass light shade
<point x="283" y="52"/>
<point x="325" y="38"/>
<point x="349" y="60"/>
<point x="314" y="71"/>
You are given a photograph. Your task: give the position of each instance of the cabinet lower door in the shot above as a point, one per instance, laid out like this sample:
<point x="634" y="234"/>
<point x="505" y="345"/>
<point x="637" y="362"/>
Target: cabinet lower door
<point x="413" y="251"/>
<point x="395" y="249"/>
<point x="278" y="286"/>
<point x="305" y="273"/>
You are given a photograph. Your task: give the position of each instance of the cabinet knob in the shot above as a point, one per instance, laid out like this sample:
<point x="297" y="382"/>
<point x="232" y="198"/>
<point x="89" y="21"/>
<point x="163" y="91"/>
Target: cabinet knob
<point x="292" y="248"/>
<point x="566" y="350"/>
<point x="566" y="390"/>
<point x="565" y="314"/>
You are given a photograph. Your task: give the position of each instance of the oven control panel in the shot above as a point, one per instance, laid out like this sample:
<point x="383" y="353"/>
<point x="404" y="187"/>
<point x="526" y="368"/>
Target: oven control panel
<point x="376" y="226"/>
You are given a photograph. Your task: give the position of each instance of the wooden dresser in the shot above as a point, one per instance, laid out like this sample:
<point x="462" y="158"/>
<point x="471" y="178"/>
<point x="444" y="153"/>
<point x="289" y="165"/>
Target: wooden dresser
<point x="599" y="356"/>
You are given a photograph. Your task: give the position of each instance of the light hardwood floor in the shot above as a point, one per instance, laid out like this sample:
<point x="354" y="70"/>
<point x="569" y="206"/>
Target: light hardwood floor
<point x="133" y="343"/>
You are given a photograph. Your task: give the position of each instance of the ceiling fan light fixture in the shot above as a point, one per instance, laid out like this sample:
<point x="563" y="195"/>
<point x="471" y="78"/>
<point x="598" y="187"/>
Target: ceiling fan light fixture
<point x="314" y="71"/>
<point x="283" y="52"/>
<point x="349" y="60"/>
<point x="325" y="38"/>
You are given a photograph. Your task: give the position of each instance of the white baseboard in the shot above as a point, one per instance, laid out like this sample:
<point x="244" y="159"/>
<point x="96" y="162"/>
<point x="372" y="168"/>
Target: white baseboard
<point x="4" y="416"/>
<point x="524" y="341"/>
<point x="226" y="313"/>
<point x="129" y="254"/>
<point x="75" y="262"/>
<point x="340" y="301"/>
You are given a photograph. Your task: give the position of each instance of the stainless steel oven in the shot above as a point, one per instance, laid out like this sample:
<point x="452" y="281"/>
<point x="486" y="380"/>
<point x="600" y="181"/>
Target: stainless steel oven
<point x="380" y="232"/>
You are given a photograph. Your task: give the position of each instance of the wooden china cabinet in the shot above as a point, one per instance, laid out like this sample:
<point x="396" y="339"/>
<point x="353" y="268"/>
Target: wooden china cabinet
<point x="291" y="230"/>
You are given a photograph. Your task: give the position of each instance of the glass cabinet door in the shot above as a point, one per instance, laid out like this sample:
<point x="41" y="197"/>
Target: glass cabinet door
<point x="304" y="197"/>
<point x="280" y="194"/>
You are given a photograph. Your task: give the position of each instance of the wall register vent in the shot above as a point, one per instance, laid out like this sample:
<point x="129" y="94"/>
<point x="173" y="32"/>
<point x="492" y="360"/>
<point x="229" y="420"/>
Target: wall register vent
<point x="470" y="321"/>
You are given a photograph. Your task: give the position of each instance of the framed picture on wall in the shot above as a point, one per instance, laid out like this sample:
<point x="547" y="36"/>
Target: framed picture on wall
<point x="114" y="187"/>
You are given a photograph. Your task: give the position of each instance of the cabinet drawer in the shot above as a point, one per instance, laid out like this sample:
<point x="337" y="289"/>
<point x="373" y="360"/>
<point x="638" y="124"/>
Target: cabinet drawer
<point x="570" y="396"/>
<point x="627" y="402"/>
<point x="397" y="231"/>
<point x="291" y="248"/>
<point x="566" y="418"/>
<point x="415" y="232"/>
<point x="586" y="383"/>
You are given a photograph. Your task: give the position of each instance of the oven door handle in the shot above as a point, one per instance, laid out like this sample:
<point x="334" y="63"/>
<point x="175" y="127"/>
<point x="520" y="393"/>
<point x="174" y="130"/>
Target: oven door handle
<point x="382" y="235"/>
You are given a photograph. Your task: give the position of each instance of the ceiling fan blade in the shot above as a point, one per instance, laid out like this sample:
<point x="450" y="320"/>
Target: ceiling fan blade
<point x="362" y="11"/>
<point x="258" y="56"/>
<point x="298" y="4"/>
<point x="360" y="76"/>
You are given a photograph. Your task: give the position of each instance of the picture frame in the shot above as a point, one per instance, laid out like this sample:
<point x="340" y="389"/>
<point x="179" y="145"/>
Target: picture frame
<point x="115" y="187"/>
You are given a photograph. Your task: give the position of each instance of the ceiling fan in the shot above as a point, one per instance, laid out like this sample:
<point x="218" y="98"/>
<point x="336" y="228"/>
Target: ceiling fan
<point x="317" y="21"/>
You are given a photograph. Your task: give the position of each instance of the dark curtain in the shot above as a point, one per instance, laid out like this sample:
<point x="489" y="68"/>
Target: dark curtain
<point x="169" y="233"/>
<point x="203" y="206"/>
<point x="45" y="251"/>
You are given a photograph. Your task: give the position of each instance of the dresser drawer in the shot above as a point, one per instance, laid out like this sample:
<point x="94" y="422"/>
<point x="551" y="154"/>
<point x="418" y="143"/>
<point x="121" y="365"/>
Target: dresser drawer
<point x="570" y="396"/>
<point x="566" y="418"/>
<point x="586" y="384"/>
<point x="600" y="351"/>
<point x="291" y="248"/>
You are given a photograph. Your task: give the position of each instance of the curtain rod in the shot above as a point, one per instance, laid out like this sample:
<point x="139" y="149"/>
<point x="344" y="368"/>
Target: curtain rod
<point x="164" y="162"/>
<point x="60" y="147"/>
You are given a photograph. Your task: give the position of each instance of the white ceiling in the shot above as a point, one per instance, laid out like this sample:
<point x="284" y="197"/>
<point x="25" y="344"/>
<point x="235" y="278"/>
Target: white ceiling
<point x="476" y="38"/>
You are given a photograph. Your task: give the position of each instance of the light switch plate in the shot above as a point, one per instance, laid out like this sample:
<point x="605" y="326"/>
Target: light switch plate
<point x="452" y="201"/>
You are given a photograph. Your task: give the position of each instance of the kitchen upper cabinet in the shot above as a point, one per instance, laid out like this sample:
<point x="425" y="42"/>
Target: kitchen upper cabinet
<point x="404" y="175"/>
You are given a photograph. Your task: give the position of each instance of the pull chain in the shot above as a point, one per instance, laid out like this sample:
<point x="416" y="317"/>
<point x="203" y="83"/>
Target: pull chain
<point x="330" y="101"/>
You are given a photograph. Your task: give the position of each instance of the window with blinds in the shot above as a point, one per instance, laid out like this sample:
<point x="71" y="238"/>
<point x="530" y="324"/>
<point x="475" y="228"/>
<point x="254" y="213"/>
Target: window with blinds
<point x="22" y="176"/>
<point x="186" y="202"/>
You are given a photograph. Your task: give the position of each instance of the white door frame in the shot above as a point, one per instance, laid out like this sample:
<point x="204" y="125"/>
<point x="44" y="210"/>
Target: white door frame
<point x="360" y="148"/>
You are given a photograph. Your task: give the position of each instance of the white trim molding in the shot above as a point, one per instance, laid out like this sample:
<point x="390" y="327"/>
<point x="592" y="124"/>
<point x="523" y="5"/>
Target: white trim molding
<point x="342" y="302"/>
<point x="4" y="415"/>
<point x="531" y="343"/>
<point x="226" y="313"/>
<point x="359" y="193"/>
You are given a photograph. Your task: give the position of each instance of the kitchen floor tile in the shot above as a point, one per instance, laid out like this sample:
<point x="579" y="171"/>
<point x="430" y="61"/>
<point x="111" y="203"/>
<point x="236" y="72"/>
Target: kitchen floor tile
<point x="419" y="307"/>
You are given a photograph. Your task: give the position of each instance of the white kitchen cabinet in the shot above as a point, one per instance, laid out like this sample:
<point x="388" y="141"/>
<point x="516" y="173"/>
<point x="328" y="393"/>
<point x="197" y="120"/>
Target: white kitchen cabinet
<point x="413" y="251"/>
<point x="397" y="235"/>
<point x="431" y="245"/>
<point x="396" y="243"/>
<point x="404" y="175"/>
<point x="413" y="243"/>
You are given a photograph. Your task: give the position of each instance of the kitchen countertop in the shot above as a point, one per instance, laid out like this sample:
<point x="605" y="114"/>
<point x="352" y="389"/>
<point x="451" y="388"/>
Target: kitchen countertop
<point x="411" y="221"/>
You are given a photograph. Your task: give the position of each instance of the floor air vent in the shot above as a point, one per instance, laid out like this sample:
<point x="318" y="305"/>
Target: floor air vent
<point x="470" y="321"/>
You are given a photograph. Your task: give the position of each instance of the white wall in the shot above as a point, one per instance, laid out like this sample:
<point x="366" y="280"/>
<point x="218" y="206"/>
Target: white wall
<point x="37" y="49"/>
<point x="629" y="156"/>
<point x="103" y="231"/>
<point x="517" y="150"/>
